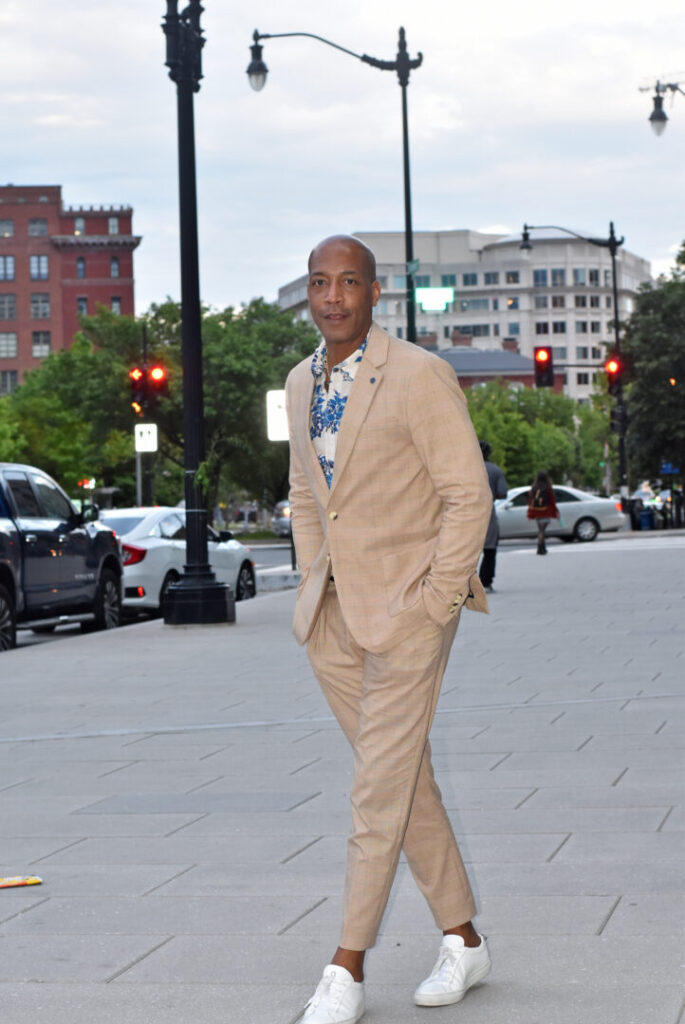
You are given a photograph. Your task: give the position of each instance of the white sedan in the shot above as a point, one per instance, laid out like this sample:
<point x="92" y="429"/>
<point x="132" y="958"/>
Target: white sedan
<point x="153" y="547"/>
<point x="581" y="515"/>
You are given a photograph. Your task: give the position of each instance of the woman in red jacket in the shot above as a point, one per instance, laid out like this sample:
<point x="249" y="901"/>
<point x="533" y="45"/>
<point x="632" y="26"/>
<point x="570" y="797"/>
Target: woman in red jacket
<point x="542" y="507"/>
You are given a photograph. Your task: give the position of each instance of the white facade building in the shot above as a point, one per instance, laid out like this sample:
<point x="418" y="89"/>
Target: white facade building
<point x="558" y="294"/>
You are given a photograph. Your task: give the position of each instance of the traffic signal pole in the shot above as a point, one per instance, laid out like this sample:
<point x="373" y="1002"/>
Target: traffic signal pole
<point x="613" y="245"/>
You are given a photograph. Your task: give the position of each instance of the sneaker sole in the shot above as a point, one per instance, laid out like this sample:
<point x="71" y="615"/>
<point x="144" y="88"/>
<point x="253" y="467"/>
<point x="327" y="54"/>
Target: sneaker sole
<point x="449" y="998"/>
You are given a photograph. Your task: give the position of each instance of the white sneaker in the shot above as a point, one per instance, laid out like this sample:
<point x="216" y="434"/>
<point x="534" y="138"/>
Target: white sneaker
<point x="338" y="999"/>
<point x="458" y="968"/>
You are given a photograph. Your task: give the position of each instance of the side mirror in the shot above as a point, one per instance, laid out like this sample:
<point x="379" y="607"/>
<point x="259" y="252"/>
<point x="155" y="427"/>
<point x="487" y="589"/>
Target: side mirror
<point x="90" y="513"/>
<point x="225" y="535"/>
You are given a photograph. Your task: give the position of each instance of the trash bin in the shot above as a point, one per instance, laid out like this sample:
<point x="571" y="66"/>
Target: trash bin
<point x="647" y="519"/>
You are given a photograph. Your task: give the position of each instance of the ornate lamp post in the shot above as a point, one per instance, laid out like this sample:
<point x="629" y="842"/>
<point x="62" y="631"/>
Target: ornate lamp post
<point x="403" y="65"/>
<point x="197" y="597"/>
<point x="658" y="117"/>
<point x="611" y="243"/>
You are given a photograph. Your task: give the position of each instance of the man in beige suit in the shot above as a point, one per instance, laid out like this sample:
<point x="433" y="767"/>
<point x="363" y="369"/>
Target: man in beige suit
<point x="390" y="504"/>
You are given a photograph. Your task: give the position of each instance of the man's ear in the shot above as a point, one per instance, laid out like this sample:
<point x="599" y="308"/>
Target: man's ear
<point x="376" y="291"/>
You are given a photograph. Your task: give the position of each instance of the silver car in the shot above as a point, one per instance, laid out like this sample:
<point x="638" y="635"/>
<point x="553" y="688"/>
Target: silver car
<point x="581" y="515"/>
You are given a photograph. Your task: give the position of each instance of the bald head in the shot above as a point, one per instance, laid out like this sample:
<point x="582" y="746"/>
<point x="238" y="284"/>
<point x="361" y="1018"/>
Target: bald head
<point x="368" y="258"/>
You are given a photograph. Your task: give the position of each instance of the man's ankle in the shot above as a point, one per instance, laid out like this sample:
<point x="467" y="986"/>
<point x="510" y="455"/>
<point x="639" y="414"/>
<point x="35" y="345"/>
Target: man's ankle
<point x="467" y="932"/>
<point x="352" y="960"/>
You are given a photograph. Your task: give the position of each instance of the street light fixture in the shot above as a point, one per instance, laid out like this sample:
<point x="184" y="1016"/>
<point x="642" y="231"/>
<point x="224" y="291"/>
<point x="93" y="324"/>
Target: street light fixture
<point x="658" y="117"/>
<point x="403" y="65"/>
<point x="612" y="243"/>
<point x="197" y="597"/>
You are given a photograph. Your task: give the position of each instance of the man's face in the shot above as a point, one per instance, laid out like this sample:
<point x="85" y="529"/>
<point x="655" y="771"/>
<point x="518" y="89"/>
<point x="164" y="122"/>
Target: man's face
<point x="342" y="294"/>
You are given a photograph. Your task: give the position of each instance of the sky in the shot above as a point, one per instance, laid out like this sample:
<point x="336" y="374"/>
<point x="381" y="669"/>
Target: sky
<point x="526" y="111"/>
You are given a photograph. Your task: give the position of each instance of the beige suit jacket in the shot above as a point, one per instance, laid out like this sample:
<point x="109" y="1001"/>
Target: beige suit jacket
<point x="402" y="526"/>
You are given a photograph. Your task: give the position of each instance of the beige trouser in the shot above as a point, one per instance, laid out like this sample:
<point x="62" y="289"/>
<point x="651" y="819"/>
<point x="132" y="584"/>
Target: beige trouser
<point x="385" y="705"/>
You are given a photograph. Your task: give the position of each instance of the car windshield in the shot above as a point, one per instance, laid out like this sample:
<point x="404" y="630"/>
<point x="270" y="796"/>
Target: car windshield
<point x="121" y="524"/>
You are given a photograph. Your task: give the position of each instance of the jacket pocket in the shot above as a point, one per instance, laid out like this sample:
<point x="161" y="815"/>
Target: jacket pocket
<point x="403" y="575"/>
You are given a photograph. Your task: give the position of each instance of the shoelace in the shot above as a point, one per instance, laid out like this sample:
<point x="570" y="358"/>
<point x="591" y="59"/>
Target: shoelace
<point x="446" y="958"/>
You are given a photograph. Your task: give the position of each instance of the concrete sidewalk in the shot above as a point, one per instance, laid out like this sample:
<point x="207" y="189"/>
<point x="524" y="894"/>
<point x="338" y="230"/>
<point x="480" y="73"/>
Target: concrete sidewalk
<point x="183" y="795"/>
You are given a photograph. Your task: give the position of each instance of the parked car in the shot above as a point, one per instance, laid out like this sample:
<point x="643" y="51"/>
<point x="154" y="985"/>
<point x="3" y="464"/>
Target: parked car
<point x="281" y="522"/>
<point x="154" y="548"/>
<point x="581" y="515"/>
<point x="56" y="562"/>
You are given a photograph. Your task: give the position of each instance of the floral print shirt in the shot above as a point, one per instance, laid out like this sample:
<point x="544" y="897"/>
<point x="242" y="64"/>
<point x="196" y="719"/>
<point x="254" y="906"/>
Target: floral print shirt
<point x="328" y="406"/>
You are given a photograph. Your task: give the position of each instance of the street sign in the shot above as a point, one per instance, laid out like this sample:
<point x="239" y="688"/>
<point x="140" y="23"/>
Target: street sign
<point x="668" y="469"/>
<point x="276" y="419"/>
<point x="146" y="437"/>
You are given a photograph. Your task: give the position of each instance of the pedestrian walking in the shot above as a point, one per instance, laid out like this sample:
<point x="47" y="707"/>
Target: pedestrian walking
<point x="498" y="487"/>
<point x="390" y="503"/>
<point x="542" y="507"/>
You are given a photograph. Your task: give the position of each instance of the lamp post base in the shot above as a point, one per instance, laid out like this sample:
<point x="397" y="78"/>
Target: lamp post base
<point x="192" y="602"/>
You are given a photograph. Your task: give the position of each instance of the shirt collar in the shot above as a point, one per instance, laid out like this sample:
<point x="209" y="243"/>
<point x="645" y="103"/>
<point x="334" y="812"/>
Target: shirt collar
<point x="318" y="359"/>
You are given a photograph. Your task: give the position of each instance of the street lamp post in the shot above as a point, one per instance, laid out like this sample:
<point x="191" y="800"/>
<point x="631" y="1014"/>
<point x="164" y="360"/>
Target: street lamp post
<point x="197" y="597"/>
<point x="403" y="65"/>
<point x="658" y="117"/>
<point x="612" y="243"/>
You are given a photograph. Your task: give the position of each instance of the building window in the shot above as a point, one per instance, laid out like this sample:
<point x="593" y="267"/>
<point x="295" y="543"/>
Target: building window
<point x="382" y="306"/>
<point x="6" y="228"/>
<point x="495" y="330"/>
<point x="558" y="277"/>
<point x="40" y="344"/>
<point x="9" y="381"/>
<point x="80" y="266"/>
<point x="38" y="226"/>
<point x="580" y="301"/>
<point x="594" y="301"/>
<point x="495" y="303"/>
<point x="399" y="332"/>
<point x="6" y="268"/>
<point x="559" y="327"/>
<point x="446" y="332"/>
<point x="40" y="305"/>
<point x="582" y="378"/>
<point x="448" y="280"/>
<point x="512" y="277"/>
<point x="113" y="226"/>
<point x="491" y="277"/>
<point x="82" y="305"/>
<point x="596" y="353"/>
<point x="540" y="278"/>
<point x="38" y="268"/>
<point x="542" y="328"/>
<point x="607" y="278"/>
<point x="514" y="328"/>
<point x="559" y="351"/>
<point x="420" y="281"/>
<point x="513" y="303"/>
<point x="581" y="326"/>
<point x="8" y="307"/>
<point x="558" y="302"/>
<point x="541" y="301"/>
<point x="115" y="305"/>
<point x="593" y="277"/>
<point x="579" y="276"/>
<point x="399" y="281"/>
<point x="475" y="330"/>
<point x="382" y="280"/>
<point x="582" y="352"/>
<point x="8" y="344"/>
<point x="595" y="327"/>
<point x="79" y="225"/>
<point x="466" y="304"/>
<point x="469" y="280"/>
<point x="608" y="302"/>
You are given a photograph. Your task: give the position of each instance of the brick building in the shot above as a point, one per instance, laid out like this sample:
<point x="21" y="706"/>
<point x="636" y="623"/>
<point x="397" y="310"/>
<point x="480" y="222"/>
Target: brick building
<point x="56" y="263"/>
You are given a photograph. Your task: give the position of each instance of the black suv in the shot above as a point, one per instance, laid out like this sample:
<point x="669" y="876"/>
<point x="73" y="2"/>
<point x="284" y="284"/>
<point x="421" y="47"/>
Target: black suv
<point x="55" y="562"/>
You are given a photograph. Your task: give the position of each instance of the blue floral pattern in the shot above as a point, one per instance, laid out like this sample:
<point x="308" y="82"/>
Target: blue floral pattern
<point x="328" y="406"/>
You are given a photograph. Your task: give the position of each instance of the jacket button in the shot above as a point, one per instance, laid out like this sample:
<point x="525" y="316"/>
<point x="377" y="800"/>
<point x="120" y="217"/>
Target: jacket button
<point x="332" y="515"/>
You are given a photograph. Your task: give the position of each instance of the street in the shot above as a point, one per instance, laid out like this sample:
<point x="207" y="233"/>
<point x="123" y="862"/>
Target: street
<point x="183" y="796"/>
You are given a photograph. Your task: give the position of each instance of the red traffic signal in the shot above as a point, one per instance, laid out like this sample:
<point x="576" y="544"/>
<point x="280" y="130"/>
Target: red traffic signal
<point x="544" y="366"/>
<point x="613" y="367"/>
<point x="157" y="375"/>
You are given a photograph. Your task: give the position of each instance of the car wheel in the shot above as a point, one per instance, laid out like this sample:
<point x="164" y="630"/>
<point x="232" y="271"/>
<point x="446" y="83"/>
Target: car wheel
<point x="171" y="577"/>
<point x="8" y="630"/>
<point x="245" y="587"/>
<point x="586" y="530"/>
<point x="107" y="607"/>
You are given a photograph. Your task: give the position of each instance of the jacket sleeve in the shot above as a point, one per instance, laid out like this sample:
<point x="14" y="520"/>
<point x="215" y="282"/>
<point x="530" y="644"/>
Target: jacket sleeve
<point x="308" y="534"/>
<point x="447" y="445"/>
<point x="501" y="487"/>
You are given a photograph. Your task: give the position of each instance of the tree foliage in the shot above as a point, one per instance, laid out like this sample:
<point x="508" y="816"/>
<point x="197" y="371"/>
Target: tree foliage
<point x="654" y="347"/>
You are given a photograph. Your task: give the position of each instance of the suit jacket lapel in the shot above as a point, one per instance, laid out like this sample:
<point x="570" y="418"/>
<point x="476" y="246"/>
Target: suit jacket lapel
<point x="363" y="391"/>
<point x="310" y="460"/>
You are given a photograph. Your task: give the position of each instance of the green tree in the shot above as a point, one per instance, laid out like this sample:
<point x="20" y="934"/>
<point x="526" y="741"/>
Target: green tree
<point x="12" y="446"/>
<point x="654" y="347"/>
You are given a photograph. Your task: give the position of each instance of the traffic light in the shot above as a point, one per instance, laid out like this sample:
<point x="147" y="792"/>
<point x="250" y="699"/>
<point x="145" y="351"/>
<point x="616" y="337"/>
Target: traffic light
<point x="613" y="368"/>
<point x="138" y="378"/>
<point x="544" y="366"/>
<point x="618" y="419"/>
<point x="158" y="382"/>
